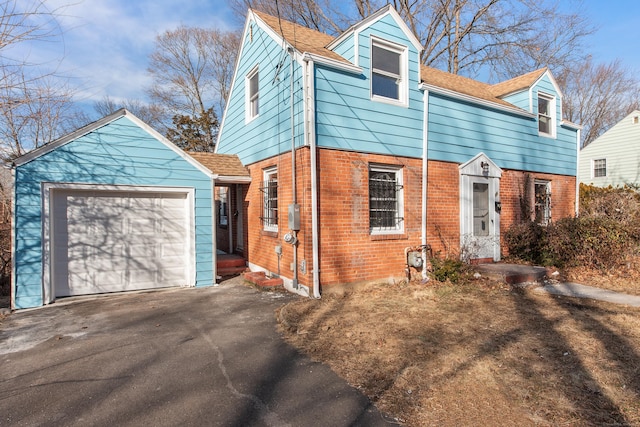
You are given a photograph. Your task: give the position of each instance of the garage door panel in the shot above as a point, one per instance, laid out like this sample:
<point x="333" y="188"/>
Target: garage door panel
<point x="109" y="241"/>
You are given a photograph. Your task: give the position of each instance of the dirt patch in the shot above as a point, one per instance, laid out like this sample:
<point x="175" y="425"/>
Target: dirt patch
<point x="477" y="354"/>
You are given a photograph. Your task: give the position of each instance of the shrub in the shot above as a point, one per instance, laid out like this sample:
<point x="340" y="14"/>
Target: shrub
<point x="447" y="269"/>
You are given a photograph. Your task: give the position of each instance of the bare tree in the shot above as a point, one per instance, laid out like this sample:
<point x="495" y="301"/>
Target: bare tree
<point x="502" y="37"/>
<point x="598" y="95"/>
<point x="152" y="114"/>
<point x="33" y="102"/>
<point x="192" y="69"/>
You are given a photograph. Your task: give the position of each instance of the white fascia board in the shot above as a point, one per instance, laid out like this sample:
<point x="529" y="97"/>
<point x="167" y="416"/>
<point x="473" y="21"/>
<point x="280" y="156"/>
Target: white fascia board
<point x="247" y="23"/>
<point x="374" y="17"/>
<point x="475" y="100"/>
<point x="47" y="148"/>
<point x="571" y="125"/>
<point x="225" y="179"/>
<point x="332" y="63"/>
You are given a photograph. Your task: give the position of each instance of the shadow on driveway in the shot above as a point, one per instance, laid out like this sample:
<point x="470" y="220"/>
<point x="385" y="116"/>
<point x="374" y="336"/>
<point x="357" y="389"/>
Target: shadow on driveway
<point x="198" y="356"/>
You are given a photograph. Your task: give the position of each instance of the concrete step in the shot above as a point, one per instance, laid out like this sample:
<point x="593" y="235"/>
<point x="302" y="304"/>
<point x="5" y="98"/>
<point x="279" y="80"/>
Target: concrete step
<point x="512" y="274"/>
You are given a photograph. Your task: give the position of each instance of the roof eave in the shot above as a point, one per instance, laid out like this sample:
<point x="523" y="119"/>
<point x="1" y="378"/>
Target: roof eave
<point x="332" y="63"/>
<point x="476" y="100"/>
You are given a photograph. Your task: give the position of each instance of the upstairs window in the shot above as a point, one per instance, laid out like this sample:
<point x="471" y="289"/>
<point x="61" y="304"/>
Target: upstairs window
<point x="546" y="113"/>
<point x="388" y="72"/>
<point x="269" y="190"/>
<point x="599" y="168"/>
<point x="385" y="200"/>
<point x="252" y="95"/>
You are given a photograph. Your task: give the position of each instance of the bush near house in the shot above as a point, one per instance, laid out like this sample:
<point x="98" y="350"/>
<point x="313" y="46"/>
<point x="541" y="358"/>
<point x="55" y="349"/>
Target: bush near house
<point x="605" y="236"/>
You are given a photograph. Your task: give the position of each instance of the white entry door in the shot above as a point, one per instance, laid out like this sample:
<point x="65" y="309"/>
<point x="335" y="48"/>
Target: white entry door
<point x="480" y="209"/>
<point x="111" y="241"/>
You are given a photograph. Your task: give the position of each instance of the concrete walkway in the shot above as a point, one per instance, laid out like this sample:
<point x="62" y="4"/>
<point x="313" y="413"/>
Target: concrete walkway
<point x="582" y="291"/>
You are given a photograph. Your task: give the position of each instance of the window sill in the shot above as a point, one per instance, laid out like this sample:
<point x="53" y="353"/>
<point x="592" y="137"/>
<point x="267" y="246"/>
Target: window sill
<point x="381" y="237"/>
<point x="269" y="233"/>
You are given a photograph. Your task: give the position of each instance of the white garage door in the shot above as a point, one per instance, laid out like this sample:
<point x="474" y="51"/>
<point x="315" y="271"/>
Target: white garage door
<point x="110" y="241"/>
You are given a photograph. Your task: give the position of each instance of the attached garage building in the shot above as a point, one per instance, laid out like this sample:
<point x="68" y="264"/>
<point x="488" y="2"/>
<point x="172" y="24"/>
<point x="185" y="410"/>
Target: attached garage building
<point x="111" y="207"/>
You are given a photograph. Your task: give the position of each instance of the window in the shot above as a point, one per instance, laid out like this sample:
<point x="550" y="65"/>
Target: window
<point x="223" y="206"/>
<point x="546" y="109"/>
<point x="542" y="194"/>
<point x="252" y="95"/>
<point x="388" y="80"/>
<point x="480" y="209"/>
<point x="599" y="168"/>
<point x="269" y="191"/>
<point x="385" y="200"/>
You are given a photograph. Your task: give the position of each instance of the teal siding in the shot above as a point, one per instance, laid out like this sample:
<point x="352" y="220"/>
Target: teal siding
<point x="119" y="153"/>
<point x="348" y="119"/>
<point x="269" y="134"/>
<point x="519" y="99"/>
<point x="458" y="131"/>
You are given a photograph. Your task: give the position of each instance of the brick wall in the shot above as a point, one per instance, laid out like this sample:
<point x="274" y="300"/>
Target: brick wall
<point x="348" y="251"/>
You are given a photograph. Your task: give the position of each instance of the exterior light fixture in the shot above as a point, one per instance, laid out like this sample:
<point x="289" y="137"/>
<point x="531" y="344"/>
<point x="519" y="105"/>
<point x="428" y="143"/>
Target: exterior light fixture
<point x="485" y="168"/>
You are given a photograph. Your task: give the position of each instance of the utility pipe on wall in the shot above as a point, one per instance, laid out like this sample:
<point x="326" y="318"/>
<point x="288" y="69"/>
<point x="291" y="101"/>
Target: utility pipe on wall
<point x="293" y="168"/>
<point x="425" y="170"/>
<point x="310" y="133"/>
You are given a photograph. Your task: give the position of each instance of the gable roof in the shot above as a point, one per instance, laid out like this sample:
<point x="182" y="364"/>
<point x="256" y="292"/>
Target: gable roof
<point x="519" y="83"/>
<point x="301" y="38"/>
<point x="91" y="127"/>
<point x="306" y="40"/>
<point x="222" y="165"/>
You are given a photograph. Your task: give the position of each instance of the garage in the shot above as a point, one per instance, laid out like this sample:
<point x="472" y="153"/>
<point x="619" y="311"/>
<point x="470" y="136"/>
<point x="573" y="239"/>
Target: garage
<point x="112" y="241"/>
<point x="113" y="206"/>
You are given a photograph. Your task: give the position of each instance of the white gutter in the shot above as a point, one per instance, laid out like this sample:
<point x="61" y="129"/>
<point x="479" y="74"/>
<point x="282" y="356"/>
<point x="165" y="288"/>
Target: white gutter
<point x="332" y="63"/>
<point x="425" y="183"/>
<point x="13" y="242"/>
<point x="475" y="100"/>
<point x="577" y="207"/>
<point x="310" y="135"/>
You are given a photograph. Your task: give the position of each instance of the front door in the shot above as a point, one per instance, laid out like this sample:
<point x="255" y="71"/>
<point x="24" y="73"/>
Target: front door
<point x="480" y="209"/>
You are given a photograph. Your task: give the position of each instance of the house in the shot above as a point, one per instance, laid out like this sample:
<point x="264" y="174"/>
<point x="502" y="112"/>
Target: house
<point x="360" y="157"/>
<point x="114" y="206"/>
<point x="613" y="158"/>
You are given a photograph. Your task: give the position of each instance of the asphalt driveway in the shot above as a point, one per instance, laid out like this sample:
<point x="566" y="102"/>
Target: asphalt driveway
<point x="200" y="356"/>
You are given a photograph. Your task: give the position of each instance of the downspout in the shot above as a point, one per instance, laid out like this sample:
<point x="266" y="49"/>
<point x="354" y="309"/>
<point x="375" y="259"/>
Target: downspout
<point x="309" y="117"/>
<point x="425" y="169"/>
<point x="214" y="237"/>
<point x="577" y="207"/>
<point x="293" y="170"/>
<point x="13" y="241"/>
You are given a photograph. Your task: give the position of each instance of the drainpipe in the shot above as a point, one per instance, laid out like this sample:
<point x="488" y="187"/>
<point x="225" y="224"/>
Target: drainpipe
<point x="309" y="117"/>
<point x="577" y="205"/>
<point x="214" y="244"/>
<point x="425" y="169"/>
<point x="293" y="170"/>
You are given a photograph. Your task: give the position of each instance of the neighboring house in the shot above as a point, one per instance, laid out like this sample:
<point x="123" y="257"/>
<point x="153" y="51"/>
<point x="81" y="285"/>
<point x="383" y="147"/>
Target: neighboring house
<point x="114" y="206"/>
<point x="358" y="154"/>
<point x="614" y="157"/>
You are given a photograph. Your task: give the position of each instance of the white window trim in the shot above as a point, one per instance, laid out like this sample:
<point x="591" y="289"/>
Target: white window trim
<point x="266" y="173"/>
<point x="400" y="214"/>
<point x="403" y="87"/>
<point x="593" y="168"/>
<point x="552" y="116"/>
<point x="248" y="116"/>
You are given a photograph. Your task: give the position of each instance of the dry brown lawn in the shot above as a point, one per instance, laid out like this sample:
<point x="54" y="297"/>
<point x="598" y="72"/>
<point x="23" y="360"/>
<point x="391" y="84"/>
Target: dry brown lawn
<point x="481" y="353"/>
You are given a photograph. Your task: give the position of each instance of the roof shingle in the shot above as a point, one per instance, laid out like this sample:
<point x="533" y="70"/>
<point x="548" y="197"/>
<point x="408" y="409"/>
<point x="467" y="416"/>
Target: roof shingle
<point x="221" y="164"/>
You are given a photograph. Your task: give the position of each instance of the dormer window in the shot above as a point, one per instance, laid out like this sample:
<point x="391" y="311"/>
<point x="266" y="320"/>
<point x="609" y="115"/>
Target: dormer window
<point x="388" y="72"/>
<point x="546" y="121"/>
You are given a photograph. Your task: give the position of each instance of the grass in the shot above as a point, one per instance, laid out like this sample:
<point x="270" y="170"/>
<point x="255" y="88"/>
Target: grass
<point x="478" y="353"/>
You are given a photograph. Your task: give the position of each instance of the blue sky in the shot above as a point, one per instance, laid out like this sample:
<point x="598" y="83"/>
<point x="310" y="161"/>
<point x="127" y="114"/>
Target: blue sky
<point x="106" y="43"/>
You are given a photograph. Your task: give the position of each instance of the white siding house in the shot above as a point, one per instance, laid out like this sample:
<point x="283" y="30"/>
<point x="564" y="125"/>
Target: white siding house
<point x="614" y="157"/>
